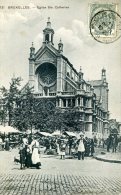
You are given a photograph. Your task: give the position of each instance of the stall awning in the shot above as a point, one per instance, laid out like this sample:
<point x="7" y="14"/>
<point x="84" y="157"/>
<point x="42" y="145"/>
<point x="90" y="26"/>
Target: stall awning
<point x="8" y="129"/>
<point x="70" y="133"/>
<point x="56" y="133"/>
<point x="45" y="134"/>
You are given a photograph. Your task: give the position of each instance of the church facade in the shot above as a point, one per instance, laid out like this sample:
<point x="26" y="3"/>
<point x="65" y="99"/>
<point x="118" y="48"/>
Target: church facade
<point x="54" y="78"/>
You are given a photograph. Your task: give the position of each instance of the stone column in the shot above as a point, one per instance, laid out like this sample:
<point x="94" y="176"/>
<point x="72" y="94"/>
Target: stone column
<point x="76" y="101"/>
<point x="59" y="75"/>
<point x="90" y="103"/>
<point x="82" y="101"/>
<point x="31" y="74"/>
<point x="59" y="102"/>
<point x="66" y="103"/>
<point x="71" y="102"/>
<point x="43" y="91"/>
<point x="50" y="37"/>
<point x="36" y="83"/>
<point x="47" y="91"/>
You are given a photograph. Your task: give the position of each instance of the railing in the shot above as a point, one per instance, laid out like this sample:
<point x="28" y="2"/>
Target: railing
<point x="38" y="95"/>
<point x="80" y="92"/>
<point x="68" y="93"/>
<point x="41" y="94"/>
<point x="52" y="94"/>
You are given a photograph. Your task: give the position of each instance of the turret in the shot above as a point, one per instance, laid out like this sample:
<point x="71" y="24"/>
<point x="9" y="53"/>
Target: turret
<point x="31" y="66"/>
<point x="60" y="46"/>
<point x="80" y="74"/>
<point x="48" y="33"/>
<point x="32" y="51"/>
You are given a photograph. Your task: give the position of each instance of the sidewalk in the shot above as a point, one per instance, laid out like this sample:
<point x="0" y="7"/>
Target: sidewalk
<point x="102" y="155"/>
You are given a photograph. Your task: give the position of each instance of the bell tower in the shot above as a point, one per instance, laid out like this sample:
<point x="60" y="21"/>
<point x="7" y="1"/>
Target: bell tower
<point x="103" y="75"/>
<point x="48" y="33"/>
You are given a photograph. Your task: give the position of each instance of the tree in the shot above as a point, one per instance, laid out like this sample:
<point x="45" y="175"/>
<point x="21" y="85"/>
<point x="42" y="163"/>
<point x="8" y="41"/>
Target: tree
<point x="26" y="112"/>
<point x="64" y="119"/>
<point x="9" y="98"/>
<point x="56" y="120"/>
<point x="72" y="119"/>
<point x="23" y="112"/>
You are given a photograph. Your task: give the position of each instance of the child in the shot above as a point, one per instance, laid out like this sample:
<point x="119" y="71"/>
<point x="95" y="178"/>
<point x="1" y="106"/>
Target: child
<point x="22" y="153"/>
<point x="62" y="149"/>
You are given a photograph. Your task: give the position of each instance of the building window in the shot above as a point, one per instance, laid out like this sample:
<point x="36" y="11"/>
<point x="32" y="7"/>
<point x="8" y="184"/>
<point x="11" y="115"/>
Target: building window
<point x="84" y="102"/>
<point x="69" y="103"/>
<point x="52" y="38"/>
<point x="46" y="91"/>
<point x="78" y="101"/>
<point x="68" y="74"/>
<point x="47" y="37"/>
<point x="64" y="103"/>
<point x="73" y="102"/>
<point x="87" y="118"/>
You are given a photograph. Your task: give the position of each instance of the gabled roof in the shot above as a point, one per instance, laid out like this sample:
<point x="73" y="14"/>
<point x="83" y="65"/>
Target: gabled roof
<point x="56" y="52"/>
<point x="47" y="46"/>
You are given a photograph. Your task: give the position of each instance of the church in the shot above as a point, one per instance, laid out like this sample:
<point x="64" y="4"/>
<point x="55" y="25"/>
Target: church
<point x="55" y="79"/>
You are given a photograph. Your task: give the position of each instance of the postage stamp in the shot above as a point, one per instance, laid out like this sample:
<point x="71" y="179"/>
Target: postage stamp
<point x="105" y="23"/>
<point x="97" y="7"/>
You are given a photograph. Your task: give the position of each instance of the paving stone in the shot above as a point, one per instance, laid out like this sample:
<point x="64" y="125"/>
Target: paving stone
<point x="69" y="177"/>
<point x="60" y="184"/>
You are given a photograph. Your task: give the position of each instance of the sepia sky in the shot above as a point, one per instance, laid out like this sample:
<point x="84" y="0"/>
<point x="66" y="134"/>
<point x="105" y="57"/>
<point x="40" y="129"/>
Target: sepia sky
<point x="20" y="27"/>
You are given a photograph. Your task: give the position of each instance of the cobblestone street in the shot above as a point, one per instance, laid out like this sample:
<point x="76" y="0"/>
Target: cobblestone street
<point x="60" y="177"/>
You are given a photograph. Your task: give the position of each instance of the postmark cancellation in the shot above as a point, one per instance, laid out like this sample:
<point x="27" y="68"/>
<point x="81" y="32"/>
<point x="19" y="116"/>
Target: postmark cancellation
<point x="104" y="22"/>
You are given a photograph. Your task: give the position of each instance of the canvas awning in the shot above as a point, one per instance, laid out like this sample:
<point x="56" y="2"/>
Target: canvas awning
<point x="56" y="133"/>
<point x="8" y="129"/>
<point x="45" y="134"/>
<point x="70" y="133"/>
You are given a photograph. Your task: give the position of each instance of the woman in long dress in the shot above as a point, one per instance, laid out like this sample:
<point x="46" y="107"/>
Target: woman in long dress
<point x="35" y="155"/>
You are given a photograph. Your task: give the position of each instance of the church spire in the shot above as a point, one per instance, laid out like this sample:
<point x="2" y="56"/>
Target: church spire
<point x="80" y="74"/>
<point x="48" y="33"/>
<point x="60" y="46"/>
<point x="32" y="51"/>
<point x="48" y="23"/>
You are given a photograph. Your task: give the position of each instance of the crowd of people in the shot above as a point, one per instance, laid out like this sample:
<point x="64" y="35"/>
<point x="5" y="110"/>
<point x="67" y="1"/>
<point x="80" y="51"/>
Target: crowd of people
<point x="30" y="147"/>
<point x="68" y="145"/>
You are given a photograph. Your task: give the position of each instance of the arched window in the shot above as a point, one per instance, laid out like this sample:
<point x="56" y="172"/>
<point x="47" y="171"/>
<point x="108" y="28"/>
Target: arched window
<point x="47" y="37"/>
